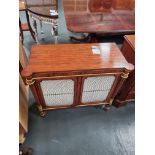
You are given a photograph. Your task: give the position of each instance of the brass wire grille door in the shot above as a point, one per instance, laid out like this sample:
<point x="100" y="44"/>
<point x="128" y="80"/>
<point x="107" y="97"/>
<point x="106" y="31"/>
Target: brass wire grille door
<point x="58" y="92"/>
<point x="96" y="89"/>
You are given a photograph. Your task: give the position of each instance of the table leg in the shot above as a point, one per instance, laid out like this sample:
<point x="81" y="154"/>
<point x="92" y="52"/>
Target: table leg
<point x="35" y="29"/>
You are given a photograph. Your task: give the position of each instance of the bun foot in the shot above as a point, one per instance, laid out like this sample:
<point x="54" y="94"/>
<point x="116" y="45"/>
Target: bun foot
<point x="25" y="151"/>
<point x="106" y="107"/>
<point x="42" y="114"/>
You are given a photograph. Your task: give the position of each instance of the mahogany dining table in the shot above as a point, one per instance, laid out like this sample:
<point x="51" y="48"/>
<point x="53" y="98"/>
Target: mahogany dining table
<point x="99" y="17"/>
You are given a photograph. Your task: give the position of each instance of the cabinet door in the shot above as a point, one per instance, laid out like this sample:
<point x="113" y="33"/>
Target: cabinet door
<point x="96" y="89"/>
<point x="58" y="92"/>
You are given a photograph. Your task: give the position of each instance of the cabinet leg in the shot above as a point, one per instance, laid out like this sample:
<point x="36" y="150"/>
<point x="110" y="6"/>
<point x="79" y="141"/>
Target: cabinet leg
<point x="106" y="107"/>
<point x="25" y="151"/>
<point x="41" y="112"/>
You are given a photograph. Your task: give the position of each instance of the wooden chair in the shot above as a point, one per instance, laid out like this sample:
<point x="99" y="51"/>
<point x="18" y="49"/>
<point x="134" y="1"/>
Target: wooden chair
<point x="25" y="26"/>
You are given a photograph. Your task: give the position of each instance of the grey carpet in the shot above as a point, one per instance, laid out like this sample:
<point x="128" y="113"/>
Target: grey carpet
<point x="82" y="131"/>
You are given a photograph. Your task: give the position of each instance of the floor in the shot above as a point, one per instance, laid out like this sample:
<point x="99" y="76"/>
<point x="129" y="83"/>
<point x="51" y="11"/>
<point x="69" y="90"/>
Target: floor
<point x="80" y="131"/>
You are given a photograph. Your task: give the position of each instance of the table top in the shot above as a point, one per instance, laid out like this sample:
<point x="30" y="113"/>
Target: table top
<point x="100" y="16"/>
<point x="73" y="57"/>
<point x="42" y="7"/>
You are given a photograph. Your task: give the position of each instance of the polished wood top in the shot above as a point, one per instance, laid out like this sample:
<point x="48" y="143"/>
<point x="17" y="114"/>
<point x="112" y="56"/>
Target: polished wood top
<point x="22" y="5"/>
<point x="42" y="7"/>
<point x="131" y="40"/>
<point x="100" y="16"/>
<point x="72" y="57"/>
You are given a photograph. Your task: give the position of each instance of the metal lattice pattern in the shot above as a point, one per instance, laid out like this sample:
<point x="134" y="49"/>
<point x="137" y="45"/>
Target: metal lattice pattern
<point x="96" y="96"/>
<point x="58" y="100"/>
<point x="57" y="86"/>
<point x="98" y="83"/>
<point x="58" y="92"/>
<point x="96" y="89"/>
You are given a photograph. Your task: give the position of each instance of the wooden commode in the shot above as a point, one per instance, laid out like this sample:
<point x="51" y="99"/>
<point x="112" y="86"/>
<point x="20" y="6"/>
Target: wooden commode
<point x="75" y="75"/>
<point x="127" y="92"/>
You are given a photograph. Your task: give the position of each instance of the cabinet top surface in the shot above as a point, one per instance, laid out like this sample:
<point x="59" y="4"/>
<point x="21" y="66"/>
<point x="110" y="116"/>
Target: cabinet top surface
<point x="22" y="5"/>
<point x="72" y="57"/>
<point x="131" y="40"/>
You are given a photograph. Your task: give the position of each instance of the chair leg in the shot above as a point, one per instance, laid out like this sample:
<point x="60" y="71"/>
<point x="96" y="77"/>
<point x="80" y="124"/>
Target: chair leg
<point x="22" y="37"/>
<point x="29" y="25"/>
<point x="32" y="34"/>
<point x="41" y="26"/>
<point x="35" y="29"/>
<point x="55" y="30"/>
<point x="21" y="32"/>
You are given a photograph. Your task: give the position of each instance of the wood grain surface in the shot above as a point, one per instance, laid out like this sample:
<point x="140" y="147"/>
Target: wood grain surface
<point x="100" y="16"/>
<point x="71" y="57"/>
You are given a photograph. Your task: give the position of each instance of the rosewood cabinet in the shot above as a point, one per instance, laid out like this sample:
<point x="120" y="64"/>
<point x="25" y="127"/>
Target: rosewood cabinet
<point x="74" y="75"/>
<point x="127" y="92"/>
